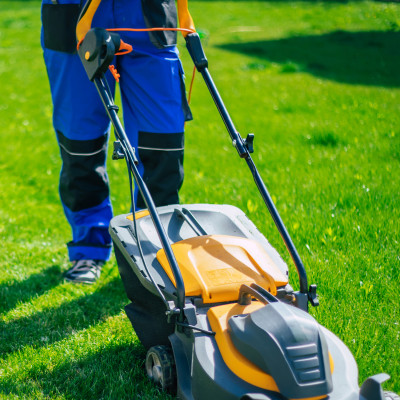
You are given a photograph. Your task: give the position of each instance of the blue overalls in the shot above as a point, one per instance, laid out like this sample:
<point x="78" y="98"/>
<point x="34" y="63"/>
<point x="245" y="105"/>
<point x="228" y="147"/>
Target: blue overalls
<point x="154" y="111"/>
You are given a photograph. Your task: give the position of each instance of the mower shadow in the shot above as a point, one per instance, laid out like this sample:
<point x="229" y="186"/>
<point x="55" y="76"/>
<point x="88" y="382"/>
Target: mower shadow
<point x="54" y="324"/>
<point x="116" y="372"/>
<point x="366" y="58"/>
<point x="12" y="293"/>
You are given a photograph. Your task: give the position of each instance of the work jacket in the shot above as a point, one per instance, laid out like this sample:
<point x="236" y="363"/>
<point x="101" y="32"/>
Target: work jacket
<point x="59" y="20"/>
<point x="157" y="14"/>
<point x="161" y="13"/>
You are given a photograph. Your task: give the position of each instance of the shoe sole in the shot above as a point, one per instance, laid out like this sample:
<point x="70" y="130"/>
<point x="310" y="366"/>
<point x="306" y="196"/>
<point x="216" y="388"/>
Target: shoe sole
<point x="79" y="281"/>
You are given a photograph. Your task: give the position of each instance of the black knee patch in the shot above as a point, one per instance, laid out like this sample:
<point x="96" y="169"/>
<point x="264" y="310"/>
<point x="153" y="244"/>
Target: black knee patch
<point x="83" y="180"/>
<point x="162" y="158"/>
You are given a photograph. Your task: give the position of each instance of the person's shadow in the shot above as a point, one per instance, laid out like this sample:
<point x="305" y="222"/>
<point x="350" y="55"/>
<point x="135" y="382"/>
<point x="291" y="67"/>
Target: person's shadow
<point x="114" y="372"/>
<point x="14" y="292"/>
<point x="91" y="376"/>
<point x="56" y="323"/>
<point x="361" y="58"/>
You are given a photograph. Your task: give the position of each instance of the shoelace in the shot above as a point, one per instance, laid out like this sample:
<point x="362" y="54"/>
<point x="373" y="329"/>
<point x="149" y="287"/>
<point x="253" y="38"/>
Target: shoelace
<point x="85" y="265"/>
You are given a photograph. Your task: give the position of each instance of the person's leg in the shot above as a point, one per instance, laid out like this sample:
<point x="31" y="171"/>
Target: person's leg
<point x="81" y="125"/>
<point x="155" y="110"/>
<point x="152" y="103"/>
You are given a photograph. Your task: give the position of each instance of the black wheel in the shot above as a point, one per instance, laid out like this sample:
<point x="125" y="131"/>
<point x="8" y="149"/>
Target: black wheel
<point x="160" y="367"/>
<point x="391" y="396"/>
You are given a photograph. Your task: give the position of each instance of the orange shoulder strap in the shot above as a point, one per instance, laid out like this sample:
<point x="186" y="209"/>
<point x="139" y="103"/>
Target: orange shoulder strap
<point x="185" y="19"/>
<point x="85" y="18"/>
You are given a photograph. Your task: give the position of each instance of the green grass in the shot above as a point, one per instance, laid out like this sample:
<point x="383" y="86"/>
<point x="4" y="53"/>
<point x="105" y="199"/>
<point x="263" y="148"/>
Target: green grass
<point x="319" y="85"/>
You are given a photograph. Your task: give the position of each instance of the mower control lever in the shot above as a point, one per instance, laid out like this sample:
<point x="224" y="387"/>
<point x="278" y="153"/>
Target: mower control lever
<point x="249" y="142"/>
<point x="196" y="51"/>
<point x="97" y="51"/>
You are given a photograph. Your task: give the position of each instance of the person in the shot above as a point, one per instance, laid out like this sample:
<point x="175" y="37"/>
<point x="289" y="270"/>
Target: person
<point x="154" y="111"/>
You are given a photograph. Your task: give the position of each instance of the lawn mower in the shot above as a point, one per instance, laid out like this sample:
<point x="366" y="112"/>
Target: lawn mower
<point x="211" y="299"/>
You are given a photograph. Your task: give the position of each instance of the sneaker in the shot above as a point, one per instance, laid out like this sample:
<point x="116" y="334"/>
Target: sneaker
<point x="84" y="271"/>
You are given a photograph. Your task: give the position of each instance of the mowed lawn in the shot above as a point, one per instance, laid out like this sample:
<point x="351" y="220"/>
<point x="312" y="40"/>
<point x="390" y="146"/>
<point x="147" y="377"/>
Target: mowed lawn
<point x="318" y="82"/>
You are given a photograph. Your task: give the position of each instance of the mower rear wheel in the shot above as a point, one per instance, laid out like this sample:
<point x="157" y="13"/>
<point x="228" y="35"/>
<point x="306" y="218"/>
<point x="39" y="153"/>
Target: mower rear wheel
<point x="160" y="367"/>
<point x="391" y="396"/>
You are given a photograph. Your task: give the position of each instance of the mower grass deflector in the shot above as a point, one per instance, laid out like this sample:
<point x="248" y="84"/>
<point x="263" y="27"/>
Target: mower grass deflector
<point x="210" y="296"/>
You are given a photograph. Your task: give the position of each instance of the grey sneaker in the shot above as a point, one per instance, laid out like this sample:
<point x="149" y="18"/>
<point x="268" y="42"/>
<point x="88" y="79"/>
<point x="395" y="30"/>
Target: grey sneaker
<point x="84" y="271"/>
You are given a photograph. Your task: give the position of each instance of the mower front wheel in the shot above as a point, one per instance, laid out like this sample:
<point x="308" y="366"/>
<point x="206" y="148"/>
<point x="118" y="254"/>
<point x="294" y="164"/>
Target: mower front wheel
<point x="160" y="367"/>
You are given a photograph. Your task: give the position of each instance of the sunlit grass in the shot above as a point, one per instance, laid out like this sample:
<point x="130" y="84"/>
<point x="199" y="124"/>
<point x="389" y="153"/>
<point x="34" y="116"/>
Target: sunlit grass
<point x="319" y="85"/>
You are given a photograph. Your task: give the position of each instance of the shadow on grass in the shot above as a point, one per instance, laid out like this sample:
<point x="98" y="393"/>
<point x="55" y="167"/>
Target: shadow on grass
<point x="367" y="58"/>
<point x="12" y="293"/>
<point x="116" y="372"/>
<point x="54" y="324"/>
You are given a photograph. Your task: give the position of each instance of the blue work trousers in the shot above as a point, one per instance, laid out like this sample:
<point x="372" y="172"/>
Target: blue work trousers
<point x="154" y="111"/>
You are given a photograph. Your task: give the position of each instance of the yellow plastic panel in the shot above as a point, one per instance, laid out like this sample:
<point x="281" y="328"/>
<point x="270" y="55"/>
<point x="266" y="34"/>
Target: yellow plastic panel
<point x="218" y="317"/>
<point x="215" y="266"/>
<point x="139" y="214"/>
<point x="236" y="362"/>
